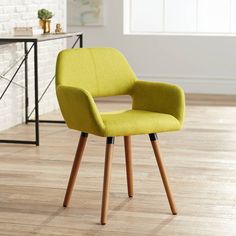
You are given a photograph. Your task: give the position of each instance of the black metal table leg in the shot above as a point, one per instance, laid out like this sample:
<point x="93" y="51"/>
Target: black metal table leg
<point x="26" y="83"/>
<point x="36" y="93"/>
<point x="81" y="41"/>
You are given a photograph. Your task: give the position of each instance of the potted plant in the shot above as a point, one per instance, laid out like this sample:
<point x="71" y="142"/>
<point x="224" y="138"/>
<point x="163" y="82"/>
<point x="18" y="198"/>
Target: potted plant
<point x="44" y="19"/>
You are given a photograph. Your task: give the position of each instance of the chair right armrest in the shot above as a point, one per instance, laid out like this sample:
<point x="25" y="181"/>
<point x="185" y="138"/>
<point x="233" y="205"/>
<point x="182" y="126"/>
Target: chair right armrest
<point x="79" y="109"/>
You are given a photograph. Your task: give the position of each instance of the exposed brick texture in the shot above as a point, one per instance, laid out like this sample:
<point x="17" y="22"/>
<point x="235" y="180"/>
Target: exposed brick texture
<point x="24" y="13"/>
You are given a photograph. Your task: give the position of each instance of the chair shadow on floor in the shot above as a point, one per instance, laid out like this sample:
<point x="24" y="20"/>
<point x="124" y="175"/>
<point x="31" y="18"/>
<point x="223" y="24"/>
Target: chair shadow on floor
<point x="45" y="222"/>
<point x="116" y="211"/>
<point x="161" y="225"/>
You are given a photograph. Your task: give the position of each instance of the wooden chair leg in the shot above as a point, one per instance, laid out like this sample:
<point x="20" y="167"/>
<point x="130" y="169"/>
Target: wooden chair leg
<point x="75" y="168"/>
<point x="156" y="149"/>
<point x="106" y="180"/>
<point x="129" y="169"/>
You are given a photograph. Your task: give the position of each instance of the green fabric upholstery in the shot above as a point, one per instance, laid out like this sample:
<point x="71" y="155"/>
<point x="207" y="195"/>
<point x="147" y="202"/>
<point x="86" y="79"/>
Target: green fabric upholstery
<point x="131" y="122"/>
<point x="79" y="109"/>
<point x="159" y="97"/>
<point x="101" y="71"/>
<point x="82" y="74"/>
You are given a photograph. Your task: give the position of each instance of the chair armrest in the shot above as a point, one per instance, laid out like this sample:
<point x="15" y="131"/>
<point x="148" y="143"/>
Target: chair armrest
<point x="79" y="109"/>
<point x="159" y="97"/>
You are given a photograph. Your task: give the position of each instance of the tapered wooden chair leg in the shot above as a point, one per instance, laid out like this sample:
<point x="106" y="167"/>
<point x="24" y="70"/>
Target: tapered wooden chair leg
<point x="75" y="168"/>
<point x="106" y="180"/>
<point x="129" y="168"/>
<point x="156" y="149"/>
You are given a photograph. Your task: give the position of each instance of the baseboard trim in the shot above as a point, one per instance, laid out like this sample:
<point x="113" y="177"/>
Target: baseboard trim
<point x="203" y="85"/>
<point x="191" y="99"/>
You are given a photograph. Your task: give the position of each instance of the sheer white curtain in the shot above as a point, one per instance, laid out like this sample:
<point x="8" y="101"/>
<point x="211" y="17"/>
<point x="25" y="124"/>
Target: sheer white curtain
<point x="180" y="16"/>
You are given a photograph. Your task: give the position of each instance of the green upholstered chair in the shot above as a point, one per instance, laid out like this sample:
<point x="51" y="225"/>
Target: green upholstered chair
<point x="83" y="74"/>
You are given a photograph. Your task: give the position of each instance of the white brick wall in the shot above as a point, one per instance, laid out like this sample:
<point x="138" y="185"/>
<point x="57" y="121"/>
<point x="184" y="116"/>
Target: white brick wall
<point x="24" y="13"/>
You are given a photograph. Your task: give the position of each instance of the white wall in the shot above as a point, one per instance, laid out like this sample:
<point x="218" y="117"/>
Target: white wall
<point x="201" y="64"/>
<point x="24" y="13"/>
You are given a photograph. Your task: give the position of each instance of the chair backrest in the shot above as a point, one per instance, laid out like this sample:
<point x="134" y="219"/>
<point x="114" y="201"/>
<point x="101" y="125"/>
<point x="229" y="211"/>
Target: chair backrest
<point x="101" y="71"/>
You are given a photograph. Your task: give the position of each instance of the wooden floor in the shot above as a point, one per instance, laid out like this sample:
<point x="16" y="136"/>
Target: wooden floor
<point x="200" y="159"/>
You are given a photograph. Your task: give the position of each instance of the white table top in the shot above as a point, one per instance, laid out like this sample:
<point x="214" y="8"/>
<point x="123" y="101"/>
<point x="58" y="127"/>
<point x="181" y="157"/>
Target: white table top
<point x="39" y="38"/>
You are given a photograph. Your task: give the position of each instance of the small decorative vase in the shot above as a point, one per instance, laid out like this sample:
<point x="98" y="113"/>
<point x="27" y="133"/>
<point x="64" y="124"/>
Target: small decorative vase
<point x="46" y="26"/>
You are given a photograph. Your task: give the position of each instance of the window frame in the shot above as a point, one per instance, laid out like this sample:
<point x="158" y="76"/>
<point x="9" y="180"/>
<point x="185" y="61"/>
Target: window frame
<point x="127" y="27"/>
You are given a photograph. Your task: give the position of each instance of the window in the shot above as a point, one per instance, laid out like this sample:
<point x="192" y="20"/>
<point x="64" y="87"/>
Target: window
<point x="180" y="16"/>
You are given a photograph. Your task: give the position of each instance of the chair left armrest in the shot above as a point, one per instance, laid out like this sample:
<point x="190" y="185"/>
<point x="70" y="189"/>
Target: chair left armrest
<point x="159" y="97"/>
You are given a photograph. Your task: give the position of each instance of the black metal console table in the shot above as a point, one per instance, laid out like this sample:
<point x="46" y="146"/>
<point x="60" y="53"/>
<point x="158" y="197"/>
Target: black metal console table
<point x="34" y="40"/>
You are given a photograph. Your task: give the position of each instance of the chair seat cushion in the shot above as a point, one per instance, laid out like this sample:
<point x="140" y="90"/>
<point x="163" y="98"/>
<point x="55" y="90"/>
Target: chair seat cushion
<point x="132" y="122"/>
